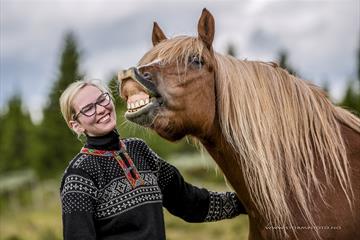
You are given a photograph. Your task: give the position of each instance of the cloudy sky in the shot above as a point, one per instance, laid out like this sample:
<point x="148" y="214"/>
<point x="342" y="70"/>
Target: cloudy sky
<point x="321" y="37"/>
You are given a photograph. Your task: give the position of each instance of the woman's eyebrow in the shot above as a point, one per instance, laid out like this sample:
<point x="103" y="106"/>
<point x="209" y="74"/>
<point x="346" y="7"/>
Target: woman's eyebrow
<point x="89" y="104"/>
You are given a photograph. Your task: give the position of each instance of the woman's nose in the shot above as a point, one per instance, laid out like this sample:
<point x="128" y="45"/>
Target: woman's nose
<point x="100" y="109"/>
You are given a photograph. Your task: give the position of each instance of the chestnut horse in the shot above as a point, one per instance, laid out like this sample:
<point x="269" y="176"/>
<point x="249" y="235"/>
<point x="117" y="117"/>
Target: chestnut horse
<point x="291" y="155"/>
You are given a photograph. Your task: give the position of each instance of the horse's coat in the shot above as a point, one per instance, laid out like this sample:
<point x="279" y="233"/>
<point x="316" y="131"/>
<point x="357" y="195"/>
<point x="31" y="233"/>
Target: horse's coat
<point x="292" y="157"/>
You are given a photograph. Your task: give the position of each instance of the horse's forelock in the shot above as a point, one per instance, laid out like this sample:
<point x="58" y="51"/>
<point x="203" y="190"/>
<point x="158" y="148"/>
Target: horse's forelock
<point x="177" y="49"/>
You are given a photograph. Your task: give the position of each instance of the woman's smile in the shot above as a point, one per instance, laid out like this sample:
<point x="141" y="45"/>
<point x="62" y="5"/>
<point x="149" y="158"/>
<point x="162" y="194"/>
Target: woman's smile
<point x="104" y="119"/>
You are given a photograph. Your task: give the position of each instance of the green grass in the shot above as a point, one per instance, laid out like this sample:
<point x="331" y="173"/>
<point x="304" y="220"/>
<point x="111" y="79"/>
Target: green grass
<point x="32" y="223"/>
<point x="43" y="221"/>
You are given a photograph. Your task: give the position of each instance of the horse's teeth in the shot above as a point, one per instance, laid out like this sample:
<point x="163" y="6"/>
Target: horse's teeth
<point x="132" y="107"/>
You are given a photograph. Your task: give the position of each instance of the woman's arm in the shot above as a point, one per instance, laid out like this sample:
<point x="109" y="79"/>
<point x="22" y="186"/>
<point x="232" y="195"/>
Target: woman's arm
<point x="78" y="194"/>
<point x="195" y="204"/>
<point x="182" y="199"/>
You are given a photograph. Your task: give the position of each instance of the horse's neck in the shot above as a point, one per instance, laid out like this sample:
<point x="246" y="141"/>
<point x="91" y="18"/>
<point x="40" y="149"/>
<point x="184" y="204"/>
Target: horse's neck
<point x="226" y="158"/>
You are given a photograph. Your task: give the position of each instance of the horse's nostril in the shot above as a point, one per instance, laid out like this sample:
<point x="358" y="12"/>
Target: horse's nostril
<point x="147" y="75"/>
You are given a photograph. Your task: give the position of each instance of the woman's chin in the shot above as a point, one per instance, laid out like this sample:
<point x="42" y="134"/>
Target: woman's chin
<point x="104" y="128"/>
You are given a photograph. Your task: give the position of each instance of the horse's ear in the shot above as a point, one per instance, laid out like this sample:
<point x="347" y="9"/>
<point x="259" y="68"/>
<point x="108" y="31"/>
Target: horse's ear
<point x="157" y="34"/>
<point x="206" y="28"/>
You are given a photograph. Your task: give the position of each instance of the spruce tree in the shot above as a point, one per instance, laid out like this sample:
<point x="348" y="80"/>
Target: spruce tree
<point x="231" y="50"/>
<point x="15" y="137"/>
<point x="358" y="69"/>
<point x="351" y="98"/>
<point x="283" y="62"/>
<point x="59" y="144"/>
<point x="357" y="85"/>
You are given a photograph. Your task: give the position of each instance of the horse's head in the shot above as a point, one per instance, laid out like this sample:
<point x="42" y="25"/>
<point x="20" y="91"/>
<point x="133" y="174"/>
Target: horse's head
<point x="172" y="89"/>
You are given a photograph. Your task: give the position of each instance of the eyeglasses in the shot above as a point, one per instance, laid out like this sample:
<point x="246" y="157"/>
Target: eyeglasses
<point x="90" y="109"/>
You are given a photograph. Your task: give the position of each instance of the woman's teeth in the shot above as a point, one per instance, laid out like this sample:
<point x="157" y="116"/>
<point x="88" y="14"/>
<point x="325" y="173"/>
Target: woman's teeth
<point x="105" y="118"/>
<point x="135" y="106"/>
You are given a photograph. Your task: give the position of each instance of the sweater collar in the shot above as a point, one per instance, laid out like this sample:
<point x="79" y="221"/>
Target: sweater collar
<point x="109" y="141"/>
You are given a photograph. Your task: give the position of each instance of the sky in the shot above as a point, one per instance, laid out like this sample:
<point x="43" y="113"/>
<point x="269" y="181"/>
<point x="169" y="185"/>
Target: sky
<point x="320" y="36"/>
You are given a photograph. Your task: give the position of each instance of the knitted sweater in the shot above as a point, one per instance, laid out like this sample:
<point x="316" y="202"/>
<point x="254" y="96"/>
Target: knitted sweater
<point x="100" y="200"/>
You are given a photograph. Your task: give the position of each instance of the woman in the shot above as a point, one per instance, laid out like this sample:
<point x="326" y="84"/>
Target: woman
<point x="115" y="189"/>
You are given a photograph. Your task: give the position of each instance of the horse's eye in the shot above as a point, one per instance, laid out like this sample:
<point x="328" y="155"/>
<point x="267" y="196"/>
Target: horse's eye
<point x="196" y="61"/>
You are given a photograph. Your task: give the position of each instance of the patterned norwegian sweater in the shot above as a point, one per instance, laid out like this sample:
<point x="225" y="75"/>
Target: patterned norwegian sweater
<point x="100" y="200"/>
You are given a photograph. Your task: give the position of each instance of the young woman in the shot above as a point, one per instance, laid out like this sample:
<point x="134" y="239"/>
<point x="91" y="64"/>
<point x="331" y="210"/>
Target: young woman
<point x="116" y="188"/>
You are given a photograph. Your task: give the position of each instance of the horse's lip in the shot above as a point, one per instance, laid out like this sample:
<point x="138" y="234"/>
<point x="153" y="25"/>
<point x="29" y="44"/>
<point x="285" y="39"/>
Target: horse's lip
<point x="154" y="103"/>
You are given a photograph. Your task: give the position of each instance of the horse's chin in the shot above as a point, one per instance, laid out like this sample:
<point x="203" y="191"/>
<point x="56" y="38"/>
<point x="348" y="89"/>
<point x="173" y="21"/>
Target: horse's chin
<point x="145" y="115"/>
<point x="151" y="117"/>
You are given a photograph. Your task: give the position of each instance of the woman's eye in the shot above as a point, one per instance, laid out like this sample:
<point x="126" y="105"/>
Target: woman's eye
<point x="88" y="109"/>
<point x="101" y="100"/>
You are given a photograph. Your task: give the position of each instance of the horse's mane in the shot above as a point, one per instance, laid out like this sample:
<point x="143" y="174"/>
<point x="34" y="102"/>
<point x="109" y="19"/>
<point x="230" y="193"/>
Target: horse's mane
<point x="281" y="126"/>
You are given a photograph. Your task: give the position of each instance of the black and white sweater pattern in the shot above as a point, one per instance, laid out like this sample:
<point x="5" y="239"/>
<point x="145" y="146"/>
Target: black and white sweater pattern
<point x="98" y="201"/>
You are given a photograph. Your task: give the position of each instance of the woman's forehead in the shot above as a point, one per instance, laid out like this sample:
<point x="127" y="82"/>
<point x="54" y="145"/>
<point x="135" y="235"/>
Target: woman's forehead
<point x="86" y="95"/>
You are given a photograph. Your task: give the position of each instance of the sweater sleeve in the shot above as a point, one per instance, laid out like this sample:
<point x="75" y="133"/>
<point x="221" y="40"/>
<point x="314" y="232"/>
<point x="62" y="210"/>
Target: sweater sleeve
<point x="189" y="202"/>
<point x="195" y="204"/>
<point x="78" y="194"/>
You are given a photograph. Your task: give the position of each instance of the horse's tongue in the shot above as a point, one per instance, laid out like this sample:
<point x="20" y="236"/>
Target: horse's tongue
<point x="138" y="96"/>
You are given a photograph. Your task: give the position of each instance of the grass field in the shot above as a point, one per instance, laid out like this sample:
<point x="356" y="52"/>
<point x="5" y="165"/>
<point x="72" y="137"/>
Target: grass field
<point x="43" y="221"/>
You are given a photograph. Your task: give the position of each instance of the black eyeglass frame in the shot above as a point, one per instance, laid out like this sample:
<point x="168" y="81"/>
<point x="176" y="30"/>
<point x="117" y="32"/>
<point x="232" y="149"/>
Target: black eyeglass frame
<point x="97" y="102"/>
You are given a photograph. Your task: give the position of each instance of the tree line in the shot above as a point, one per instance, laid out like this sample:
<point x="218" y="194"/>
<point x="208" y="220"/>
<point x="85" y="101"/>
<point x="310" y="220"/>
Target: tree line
<point x="47" y="147"/>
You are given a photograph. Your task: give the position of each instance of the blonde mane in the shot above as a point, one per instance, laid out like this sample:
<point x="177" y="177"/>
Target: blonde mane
<point x="177" y="49"/>
<point x="280" y="126"/>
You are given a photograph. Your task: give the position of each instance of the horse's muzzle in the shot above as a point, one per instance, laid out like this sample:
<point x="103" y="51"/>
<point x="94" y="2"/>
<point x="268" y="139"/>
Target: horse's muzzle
<point x="134" y="74"/>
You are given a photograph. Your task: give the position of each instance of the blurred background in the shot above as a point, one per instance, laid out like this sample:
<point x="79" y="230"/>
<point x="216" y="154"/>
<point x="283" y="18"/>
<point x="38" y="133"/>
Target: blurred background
<point x="45" y="45"/>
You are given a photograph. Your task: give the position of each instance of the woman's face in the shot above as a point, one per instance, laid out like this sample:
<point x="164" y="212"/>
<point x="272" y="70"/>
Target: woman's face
<point x="104" y="119"/>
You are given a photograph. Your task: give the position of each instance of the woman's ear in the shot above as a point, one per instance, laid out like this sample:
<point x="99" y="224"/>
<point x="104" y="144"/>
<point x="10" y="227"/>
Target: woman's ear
<point x="76" y="127"/>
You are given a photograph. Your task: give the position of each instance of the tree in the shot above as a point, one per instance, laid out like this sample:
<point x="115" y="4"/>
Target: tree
<point x="358" y="68"/>
<point x="231" y="50"/>
<point x="351" y="98"/>
<point x="59" y="143"/>
<point x="326" y="86"/>
<point x="16" y="129"/>
<point x="283" y="62"/>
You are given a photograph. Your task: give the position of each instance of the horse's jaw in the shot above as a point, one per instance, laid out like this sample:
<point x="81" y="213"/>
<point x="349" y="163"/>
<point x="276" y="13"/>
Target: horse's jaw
<point x="145" y="115"/>
<point x="153" y="115"/>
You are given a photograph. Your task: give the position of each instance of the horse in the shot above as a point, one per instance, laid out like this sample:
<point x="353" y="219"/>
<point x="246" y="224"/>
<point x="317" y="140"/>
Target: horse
<point x="292" y="156"/>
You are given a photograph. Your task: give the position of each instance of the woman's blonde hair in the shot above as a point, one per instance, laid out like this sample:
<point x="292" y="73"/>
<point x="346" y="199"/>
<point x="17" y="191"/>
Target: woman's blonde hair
<point x="67" y="97"/>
